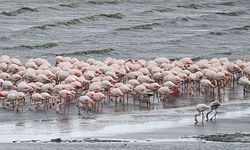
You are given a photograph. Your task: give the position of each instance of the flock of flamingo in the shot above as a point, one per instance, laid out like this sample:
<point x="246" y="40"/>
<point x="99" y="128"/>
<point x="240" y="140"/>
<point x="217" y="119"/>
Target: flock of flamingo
<point x="92" y="83"/>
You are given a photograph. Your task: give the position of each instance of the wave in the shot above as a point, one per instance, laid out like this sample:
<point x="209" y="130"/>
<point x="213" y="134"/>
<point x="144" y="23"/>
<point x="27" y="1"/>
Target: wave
<point x="19" y="11"/>
<point x="65" y="23"/>
<point x="89" y="52"/>
<point x="160" y="10"/>
<point x="72" y="5"/>
<point x="115" y="16"/>
<point x="140" y="27"/>
<point x="69" y="22"/>
<point x="44" y="27"/>
<point x="227" y="3"/>
<point x="227" y="31"/>
<point x="223" y="53"/>
<point x="232" y="13"/>
<point x="247" y="27"/>
<point x="179" y="19"/>
<point x="91" y="18"/>
<point x="78" y="20"/>
<point x="103" y="2"/>
<point x="40" y="46"/>
<point x="216" y="33"/>
<point x="190" y="6"/>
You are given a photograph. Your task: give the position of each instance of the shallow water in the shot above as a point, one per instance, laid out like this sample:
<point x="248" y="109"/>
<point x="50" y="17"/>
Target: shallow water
<point x="132" y="122"/>
<point x="125" y="29"/>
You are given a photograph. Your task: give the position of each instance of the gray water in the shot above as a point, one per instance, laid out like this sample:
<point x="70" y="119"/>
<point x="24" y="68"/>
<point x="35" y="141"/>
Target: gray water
<point x="125" y="28"/>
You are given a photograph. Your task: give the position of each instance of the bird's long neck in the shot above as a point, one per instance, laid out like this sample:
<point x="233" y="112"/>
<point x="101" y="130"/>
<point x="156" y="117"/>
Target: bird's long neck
<point x="209" y="112"/>
<point x="197" y="114"/>
<point x="126" y="67"/>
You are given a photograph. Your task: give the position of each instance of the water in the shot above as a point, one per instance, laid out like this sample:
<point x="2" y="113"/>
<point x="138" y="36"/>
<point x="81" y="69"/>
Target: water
<point x="131" y="122"/>
<point x="122" y="126"/>
<point x="125" y="29"/>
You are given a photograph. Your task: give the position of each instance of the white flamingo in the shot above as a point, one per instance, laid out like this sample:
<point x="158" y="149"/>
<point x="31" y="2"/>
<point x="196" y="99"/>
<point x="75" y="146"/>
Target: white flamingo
<point x="200" y="108"/>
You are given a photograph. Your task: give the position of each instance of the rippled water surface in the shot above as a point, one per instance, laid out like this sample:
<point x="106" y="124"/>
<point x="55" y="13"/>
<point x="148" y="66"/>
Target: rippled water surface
<point x="125" y="28"/>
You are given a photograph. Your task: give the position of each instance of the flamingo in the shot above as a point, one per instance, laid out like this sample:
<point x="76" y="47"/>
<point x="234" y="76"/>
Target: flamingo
<point x="3" y="66"/>
<point x="16" y="78"/>
<point x="3" y="96"/>
<point x="5" y="76"/>
<point x="116" y="92"/>
<point x="11" y="98"/>
<point x="38" y="100"/>
<point x="8" y="85"/>
<point x="85" y="103"/>
<point x="126" y="89"/>
<point x="65" y="95"/>
<point x="20" y="98"/>
<point x="164" y="92"/>
<point x="144" y="79"/>
<point x="214" y="106"/>
<point x="200" y="108"/>
<point x="98" y="98"/>
<point x="245" y="82"/>
<point x="47" y="97"/>
<point x="205" y="83"/>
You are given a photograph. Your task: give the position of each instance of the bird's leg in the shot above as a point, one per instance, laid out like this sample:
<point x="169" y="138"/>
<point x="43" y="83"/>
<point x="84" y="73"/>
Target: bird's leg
<point x="17" y="105"/>
<point x="79" y="111"/>
<point x="148" y="103"/>
<point x="58" y="107"/>
<point x="127" y="98"/>
<point x="158" y="98"/>
<point x="64" y="104"/>
<point x="97" y="106"/>
<point x="123" y="99"/>
<point x="23" y="102"/>
<point x="13" y="106"/>
<point x="134" y="97"/>
<point x="68" y="104"/>
<point x="244" y="90"/>
<point x="203" y="116"/>
<point x="214" y="116"/>
<point x="195" y="117"/>
<point x="208" y="114"/>
<point x="101" y="105"/>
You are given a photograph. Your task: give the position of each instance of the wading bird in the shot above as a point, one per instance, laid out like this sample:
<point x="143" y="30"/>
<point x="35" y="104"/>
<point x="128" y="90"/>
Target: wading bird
<point x="200" y="108"/>
<point x="214" y="106"/>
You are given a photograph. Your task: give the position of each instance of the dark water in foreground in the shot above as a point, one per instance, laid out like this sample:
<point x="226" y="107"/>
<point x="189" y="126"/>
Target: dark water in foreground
<point x="125" y="29"/>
